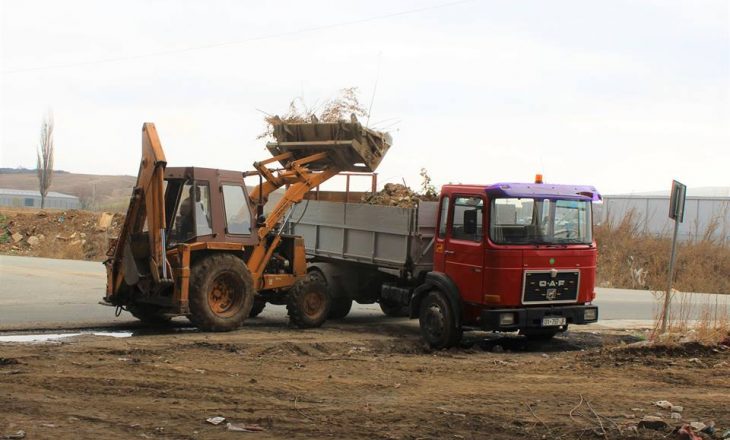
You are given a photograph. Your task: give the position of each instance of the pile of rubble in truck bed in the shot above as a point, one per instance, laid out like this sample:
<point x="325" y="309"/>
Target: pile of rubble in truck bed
<point x="395" y="194"/>
<point x="72" y="234"/>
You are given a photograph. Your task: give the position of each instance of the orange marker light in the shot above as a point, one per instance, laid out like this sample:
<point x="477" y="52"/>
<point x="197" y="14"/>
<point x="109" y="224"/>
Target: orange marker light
<point x="538" y="178"/>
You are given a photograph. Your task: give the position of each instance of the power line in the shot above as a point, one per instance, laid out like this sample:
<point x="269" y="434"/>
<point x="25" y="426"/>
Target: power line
<point x="239" y="42"/>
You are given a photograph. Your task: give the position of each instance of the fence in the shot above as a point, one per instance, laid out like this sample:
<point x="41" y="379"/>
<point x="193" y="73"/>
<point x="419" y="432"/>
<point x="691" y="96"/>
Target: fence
<point x="705" y="217"/>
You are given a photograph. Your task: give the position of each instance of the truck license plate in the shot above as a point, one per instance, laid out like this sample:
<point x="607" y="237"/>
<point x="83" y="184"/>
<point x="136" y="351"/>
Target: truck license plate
<point x="553" y="322"/>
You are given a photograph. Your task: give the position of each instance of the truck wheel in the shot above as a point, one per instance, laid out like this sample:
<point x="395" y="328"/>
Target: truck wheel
<point x="437" y="322"/>
<point x="258" y="307"/>
<point x="308" y="302"/>
<point x="340" y="308"/>
<point x="394" y="310"/>
<point x="149" y="314"/>
<point x="221" y="293"/>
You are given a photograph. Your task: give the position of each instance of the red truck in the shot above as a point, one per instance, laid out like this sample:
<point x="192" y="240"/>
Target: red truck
<point x="504" y="257"/>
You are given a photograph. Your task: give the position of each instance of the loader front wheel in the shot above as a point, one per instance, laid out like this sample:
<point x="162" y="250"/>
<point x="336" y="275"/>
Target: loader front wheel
<point x="221" y="293"/>
<point x="308" y="302"/>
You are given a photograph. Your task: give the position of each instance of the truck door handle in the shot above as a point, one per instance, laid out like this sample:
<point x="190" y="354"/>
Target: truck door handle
<point x="449" y="252"/>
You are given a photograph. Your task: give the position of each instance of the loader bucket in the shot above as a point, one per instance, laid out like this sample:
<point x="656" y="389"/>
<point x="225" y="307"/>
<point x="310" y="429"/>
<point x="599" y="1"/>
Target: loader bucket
<point x="349" y="145"/>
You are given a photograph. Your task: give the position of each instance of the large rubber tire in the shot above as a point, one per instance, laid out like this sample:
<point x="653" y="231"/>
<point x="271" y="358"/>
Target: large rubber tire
<point x="149" y="314"/>
<point x="308" y="303"/>
<point x="437" y="321"/>
<point x="258" y="307"/>
<point x="221" y="293"/>
<point x="393" y="310"/>
<point x="340" y="307"/>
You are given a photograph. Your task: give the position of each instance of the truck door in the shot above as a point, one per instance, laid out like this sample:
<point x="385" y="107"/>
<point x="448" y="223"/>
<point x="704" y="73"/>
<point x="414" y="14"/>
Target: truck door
<point x="464" y="246"/>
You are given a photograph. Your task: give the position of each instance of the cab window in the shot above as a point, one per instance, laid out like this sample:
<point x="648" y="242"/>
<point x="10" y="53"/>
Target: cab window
<point x="238" y="213"/>
<point x="468" y="215"/>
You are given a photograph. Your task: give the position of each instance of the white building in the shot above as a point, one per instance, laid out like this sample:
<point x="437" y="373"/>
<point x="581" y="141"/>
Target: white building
<point x="19" y="198"/>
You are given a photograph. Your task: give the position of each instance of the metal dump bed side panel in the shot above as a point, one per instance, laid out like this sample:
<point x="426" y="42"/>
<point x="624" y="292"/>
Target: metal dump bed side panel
<point x="384" y="236"/>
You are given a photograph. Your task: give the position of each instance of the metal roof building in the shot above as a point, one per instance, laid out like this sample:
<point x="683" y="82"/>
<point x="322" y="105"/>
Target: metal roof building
<point x="19" y="198"/>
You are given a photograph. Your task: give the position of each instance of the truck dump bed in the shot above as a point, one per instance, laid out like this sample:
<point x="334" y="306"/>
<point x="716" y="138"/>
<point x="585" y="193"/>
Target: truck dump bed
<point x="382" y="236"/>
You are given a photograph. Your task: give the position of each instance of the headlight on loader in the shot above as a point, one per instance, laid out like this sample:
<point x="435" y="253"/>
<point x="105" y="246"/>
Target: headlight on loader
<point x="506" y="318"/>
<point x="590" y="314"/>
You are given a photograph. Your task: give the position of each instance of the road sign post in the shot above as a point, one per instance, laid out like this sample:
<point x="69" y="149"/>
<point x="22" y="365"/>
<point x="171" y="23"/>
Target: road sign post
<point x="676" y="212"/>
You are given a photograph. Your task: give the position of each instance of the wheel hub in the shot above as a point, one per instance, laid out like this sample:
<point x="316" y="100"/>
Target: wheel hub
<point x="222" y="296"/>
<point x="435" y="321"/>
<point x="313" y="304"/>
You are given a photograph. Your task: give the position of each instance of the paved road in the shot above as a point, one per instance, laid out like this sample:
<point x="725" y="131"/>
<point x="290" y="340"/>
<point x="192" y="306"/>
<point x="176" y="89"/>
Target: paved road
<point x="46" y="293"/>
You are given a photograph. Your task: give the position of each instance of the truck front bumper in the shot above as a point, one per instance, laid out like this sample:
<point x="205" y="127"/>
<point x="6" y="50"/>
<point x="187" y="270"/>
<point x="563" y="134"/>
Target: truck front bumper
<point x="535" y="317"/>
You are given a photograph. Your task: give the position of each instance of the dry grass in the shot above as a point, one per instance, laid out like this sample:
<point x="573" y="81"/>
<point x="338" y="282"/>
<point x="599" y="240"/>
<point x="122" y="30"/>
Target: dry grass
<point x="331" y="110"/>
<point x="692" y="320"/>
<point x="629" y="258"/>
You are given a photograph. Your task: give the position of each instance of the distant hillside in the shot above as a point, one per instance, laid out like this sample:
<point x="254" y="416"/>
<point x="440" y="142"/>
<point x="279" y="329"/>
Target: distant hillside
<point x="97" y="192"/>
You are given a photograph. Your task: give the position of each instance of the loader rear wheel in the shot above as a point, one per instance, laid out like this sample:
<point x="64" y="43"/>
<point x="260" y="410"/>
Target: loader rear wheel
<point x="308" y="302"/>
<point x="258" y="307"/>
<point x="340" y="307"/>
<point x="221" y="293"/>
<point x="437" y="322"/>
<point x="149" y="314"/>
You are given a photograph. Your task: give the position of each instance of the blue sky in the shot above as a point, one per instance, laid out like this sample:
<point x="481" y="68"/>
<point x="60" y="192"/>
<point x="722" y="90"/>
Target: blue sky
<point x="623" y="95"/>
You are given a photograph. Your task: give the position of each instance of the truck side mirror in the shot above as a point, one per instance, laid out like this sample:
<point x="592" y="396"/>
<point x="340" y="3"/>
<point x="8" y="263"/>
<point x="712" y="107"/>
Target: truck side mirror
<point x="470" y="222"/>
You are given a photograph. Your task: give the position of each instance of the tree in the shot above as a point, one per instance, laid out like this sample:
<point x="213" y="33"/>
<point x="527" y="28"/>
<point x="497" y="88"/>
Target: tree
<point x="45" y="157"/>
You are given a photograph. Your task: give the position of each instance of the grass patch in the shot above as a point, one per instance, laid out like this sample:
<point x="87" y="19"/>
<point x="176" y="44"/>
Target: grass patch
<point x="631" y="259"/>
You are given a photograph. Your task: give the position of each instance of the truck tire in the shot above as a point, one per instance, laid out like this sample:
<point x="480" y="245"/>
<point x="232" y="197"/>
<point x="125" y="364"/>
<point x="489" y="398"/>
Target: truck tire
<point x="393" y="309"/>
<point x="437" y="321"/>
<point x="221" y="293"/>
<point x="257" y="308"/>
<point x="340" y="307"/>
<point x="149" y="314"/>
<point x="308" y="302"/>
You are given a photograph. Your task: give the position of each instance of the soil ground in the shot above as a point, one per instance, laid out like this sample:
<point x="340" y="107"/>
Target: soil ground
<point x="355" y="381"/>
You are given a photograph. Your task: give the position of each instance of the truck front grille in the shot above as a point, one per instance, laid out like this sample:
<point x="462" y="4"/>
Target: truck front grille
<point x="550" y="286"/>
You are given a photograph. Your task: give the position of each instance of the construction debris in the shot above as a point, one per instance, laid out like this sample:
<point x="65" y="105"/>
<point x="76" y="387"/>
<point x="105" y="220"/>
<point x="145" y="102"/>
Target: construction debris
<point x="73" y="234"/>
<point x="395" y="194"/>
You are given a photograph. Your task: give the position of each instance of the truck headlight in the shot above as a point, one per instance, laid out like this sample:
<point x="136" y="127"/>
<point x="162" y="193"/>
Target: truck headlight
<point x="506" y="318"/>
<point x="590" y="314"/>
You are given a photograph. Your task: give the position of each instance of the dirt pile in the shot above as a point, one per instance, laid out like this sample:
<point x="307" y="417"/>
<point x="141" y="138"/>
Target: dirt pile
<point x="395" y="194"/>
<point x="72" y="234"/>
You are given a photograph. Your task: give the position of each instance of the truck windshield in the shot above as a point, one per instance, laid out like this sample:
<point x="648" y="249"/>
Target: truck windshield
<point x="533" y="221"/>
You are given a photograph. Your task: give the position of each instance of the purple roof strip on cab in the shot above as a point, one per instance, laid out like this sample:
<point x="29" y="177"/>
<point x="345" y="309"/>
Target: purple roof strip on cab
<point x="545" y="191"/>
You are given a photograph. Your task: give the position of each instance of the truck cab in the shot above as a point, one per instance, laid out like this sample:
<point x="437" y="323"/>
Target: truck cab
<point x="509" y="257"/>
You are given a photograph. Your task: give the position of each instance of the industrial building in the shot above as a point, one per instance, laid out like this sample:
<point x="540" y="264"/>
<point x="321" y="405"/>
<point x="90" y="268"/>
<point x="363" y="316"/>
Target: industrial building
<point x="19" y="198"/>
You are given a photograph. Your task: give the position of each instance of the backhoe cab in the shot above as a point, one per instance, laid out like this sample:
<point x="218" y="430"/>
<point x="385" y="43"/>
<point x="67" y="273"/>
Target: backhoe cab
<point x="195" y="242"/>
